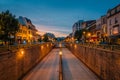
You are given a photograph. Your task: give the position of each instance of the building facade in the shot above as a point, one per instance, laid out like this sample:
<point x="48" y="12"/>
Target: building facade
<point x="92" y="29"/>
<point x="86" y="24"/>
<point x="104" y="34"/>
<point x="113" y="24"/>
<point x="77" y="26"/>
<point x="26" y="32"/>
<point x="98" y="29"/>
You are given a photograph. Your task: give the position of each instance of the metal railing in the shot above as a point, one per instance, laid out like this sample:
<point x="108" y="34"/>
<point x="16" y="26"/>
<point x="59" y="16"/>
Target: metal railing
<point x="101" y="46"/>
<point x="104" y="46"/>
<point x="14" y="47"/>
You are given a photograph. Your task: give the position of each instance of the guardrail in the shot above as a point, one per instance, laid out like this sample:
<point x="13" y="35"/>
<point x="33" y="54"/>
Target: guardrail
<point x="102" y="46"/>
<point x="14" y="47"/>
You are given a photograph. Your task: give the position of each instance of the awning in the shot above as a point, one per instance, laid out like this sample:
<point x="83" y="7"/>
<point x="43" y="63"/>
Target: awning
<point x="94" y="38"/>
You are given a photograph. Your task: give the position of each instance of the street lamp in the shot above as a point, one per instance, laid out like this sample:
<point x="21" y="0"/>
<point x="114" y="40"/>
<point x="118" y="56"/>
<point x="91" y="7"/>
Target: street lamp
<point x="89" y="34"/>
<point x="84" y="32"/>
<point x="84" y="36"/>
<point x="60" y="53"/>
<point x="60" y="65"/>
<point x="22" y="52"/>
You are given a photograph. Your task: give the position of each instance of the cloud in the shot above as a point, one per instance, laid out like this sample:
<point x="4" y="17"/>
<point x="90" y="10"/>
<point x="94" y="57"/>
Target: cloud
<point x="57" y="31"/>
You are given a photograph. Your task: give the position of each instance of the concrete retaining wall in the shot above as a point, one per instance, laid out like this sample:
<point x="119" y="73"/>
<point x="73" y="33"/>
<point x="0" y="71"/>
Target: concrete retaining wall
<point x="14" y="64"/>
<point x="105" y="63"/>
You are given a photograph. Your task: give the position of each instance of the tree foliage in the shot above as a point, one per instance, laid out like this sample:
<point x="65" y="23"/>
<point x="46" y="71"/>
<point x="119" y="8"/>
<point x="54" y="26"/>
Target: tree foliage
<point x="78" y="34"/>
<point x="8" y="25"/>
<point x="45" y="39"/>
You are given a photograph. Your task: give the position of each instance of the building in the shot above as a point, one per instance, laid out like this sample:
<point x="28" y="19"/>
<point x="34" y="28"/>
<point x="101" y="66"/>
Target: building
<point x="113" y="24"/>
<point x="86" y="24"/>
<point x="86" y="33"/>
<point x="92" y="32"/>
<point x="98" y="29"/>
<point x="77" y="26"/>
<point x="32" y="30"/>
<point x="51" y="36"/>
<point x="27" y="31"/>
<point x="104" y="34"/>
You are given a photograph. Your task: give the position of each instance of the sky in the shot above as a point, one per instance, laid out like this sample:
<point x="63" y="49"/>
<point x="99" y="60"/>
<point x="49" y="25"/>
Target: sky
<point x="57" y="16"/>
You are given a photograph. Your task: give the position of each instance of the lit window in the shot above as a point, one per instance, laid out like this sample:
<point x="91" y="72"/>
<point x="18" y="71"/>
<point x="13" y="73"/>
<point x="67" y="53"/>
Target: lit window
<point x="115" y="30"/>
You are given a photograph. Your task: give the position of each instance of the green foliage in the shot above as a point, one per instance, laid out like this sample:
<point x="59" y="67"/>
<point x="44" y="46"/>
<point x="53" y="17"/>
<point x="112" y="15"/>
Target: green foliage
<point x="39" y="40"/>
<point x="8" y="25"/>
<point x="45" y="39"/>
<point x="78" y="34"/>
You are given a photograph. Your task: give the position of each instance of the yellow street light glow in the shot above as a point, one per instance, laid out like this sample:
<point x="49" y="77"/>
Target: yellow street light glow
<point x="42" y="47"/>
<point x="22" y="52"/>
<point x="75" y="46"/>
<point x="51" y="44"/>
<point x="84" y="32"/>
<point x="60" y="52"/>
<point x="47" y="45"/>
<point x="89" y="34"/>
<point x="30" y="35"/>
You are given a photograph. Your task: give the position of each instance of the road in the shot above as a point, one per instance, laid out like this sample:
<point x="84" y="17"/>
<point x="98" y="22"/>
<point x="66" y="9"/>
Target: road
<point x="48" y="68"/>
<point x="74" y="69"/>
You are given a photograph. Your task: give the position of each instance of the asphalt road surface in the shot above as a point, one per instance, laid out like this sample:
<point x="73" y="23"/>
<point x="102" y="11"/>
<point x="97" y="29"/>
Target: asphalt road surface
<point x="48" y="68"/>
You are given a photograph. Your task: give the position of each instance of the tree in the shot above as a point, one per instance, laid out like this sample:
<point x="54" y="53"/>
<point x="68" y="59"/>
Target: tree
<point x="8" y="26"/>
<point x="78" y="34"/>
<point x="39" y="40"/>
<point x="45" y="39"/>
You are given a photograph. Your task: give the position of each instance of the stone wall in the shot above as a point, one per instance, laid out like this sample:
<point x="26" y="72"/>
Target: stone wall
<point x="15" y="64"/>
<point x="105" y="63"/>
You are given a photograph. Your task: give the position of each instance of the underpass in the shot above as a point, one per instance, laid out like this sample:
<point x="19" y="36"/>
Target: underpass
<point x="72" y="68"/>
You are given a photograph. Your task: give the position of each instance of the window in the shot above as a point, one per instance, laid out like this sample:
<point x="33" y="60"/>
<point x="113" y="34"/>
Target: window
<point x="103" y="20"/>
<point x="116" y="21"/>
<point x="104" y="29"/>
<point x="115" y="30"/>
<point x="118" y="9"/>
<point x="109" y="22"/>
<point x="112" y="12"/>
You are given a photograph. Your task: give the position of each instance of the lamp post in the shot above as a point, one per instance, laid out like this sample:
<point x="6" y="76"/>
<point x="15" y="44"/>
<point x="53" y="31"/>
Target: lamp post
<point x="21" y="56"/>
<point x="89" y="35"/>
<point x="60" y="65"/>
<point x="84" y="37"/>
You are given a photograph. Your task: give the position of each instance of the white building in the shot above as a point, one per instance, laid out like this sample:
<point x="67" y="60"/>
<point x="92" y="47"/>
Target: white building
<point x="113" y="24"/>
<point x="77" y="26"/>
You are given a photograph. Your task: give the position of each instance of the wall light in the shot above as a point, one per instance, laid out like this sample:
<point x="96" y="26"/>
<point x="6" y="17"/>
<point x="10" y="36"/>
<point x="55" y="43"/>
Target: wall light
<point x="22" y="52"/>
<point x="47" y="45"/>
<point x="60" y="52"/>
<point x="75" y="46"/>
<point x="42" y="47"/>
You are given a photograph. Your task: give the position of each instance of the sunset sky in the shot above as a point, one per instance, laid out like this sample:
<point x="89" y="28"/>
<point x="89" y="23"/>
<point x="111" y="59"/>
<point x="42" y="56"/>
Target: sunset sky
<point x="57" y="16"/>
